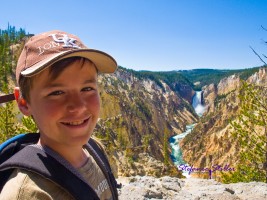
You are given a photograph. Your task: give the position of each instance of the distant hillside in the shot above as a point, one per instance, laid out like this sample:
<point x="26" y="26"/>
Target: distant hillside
<point x="202" y="77"/>
<point x="174" y="80"/>
<point x="195" y="78"/>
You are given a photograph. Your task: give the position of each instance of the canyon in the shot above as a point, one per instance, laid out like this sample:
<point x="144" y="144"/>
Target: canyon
<point x="140" y="114"/>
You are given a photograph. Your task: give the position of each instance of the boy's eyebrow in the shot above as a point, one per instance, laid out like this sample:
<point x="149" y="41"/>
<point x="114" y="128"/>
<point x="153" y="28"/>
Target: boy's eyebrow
<point x="53" y="85"/>
<point x="93" y="80"/>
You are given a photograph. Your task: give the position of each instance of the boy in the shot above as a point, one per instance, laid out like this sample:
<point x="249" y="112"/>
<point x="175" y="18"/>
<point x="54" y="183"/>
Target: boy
<point x="57" y="78"/>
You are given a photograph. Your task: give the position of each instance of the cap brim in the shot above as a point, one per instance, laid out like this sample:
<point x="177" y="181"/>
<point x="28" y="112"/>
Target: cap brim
<point x="103" y="62"/>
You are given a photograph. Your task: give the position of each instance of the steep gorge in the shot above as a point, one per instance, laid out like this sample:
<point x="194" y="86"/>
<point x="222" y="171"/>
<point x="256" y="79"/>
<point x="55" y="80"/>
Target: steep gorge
<point x="138" y="117"/>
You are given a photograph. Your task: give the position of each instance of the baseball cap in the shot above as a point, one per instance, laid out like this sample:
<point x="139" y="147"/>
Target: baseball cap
<point x="43" y="50"/>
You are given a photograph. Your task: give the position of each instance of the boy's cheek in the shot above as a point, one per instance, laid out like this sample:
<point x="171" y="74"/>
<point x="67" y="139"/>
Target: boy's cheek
<point x="44" y="109"/>
<point x="96" y="102"/>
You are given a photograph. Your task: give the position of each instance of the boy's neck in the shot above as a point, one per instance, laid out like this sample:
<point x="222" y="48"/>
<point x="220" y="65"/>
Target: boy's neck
<point x="76" y="156"/>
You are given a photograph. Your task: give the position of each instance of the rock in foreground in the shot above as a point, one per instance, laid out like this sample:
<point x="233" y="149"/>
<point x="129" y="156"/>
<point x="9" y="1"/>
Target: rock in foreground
<point x="147" y="187"/>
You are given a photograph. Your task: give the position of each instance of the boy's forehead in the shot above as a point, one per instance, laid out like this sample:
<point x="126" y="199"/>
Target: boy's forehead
<point x="88" y="74"/>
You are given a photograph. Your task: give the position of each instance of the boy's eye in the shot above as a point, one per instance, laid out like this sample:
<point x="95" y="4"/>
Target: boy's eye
<point x="55" y="93"/>
<point x="87" y="89"/>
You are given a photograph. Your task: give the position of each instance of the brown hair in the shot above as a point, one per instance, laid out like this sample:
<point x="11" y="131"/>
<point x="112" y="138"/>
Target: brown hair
<point x="26" y="83"/>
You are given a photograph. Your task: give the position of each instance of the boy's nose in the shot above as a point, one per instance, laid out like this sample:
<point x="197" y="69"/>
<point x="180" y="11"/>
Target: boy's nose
<point x="76" y="103"/>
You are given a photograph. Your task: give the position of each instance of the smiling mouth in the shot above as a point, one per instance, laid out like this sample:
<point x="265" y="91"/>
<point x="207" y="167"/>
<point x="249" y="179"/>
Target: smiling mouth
<point x="75" y="123"/>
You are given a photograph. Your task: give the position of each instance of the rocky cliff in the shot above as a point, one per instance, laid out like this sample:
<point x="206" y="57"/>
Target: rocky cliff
<point x="188" y="189"/>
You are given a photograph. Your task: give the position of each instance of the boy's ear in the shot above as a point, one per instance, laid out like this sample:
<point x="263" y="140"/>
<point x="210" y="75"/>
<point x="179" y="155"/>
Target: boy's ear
<point x="22" y="103"/>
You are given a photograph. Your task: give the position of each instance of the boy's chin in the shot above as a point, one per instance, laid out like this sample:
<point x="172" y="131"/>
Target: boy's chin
<point x="81" y="140"/>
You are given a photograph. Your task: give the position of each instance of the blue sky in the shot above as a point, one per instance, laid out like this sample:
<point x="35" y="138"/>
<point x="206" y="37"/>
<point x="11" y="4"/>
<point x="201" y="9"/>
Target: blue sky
<point x="156" y="35"/>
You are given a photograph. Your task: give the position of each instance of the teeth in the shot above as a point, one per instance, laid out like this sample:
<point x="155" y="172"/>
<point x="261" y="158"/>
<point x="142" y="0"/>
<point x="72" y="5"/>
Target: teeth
<point x="75" y="123"/>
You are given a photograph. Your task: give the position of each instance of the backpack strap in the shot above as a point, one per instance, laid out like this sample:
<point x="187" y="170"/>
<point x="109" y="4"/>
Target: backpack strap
<point x="34" y="159"/>
<point x="15" y="144"/>
<point x="9" y="148"/>
<point x="100" y="157"/>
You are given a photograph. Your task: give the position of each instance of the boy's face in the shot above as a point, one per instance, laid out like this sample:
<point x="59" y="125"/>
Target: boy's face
<point x="65" y="109"/>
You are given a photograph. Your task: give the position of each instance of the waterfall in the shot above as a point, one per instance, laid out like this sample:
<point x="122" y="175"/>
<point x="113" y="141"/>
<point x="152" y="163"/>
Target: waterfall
<point x="177" y="155"/>
<point x="197" y="103"/>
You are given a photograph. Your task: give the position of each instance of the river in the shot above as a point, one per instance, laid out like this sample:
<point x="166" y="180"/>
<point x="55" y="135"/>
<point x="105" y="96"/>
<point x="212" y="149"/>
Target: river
<point x="177" y="155"/>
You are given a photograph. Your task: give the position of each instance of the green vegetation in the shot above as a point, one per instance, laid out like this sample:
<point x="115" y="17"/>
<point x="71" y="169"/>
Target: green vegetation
<point x="9" y="123"/>
<point x="28" y="125"/>
<point x="8" y="38"/>
<point x="250" y="131"/>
